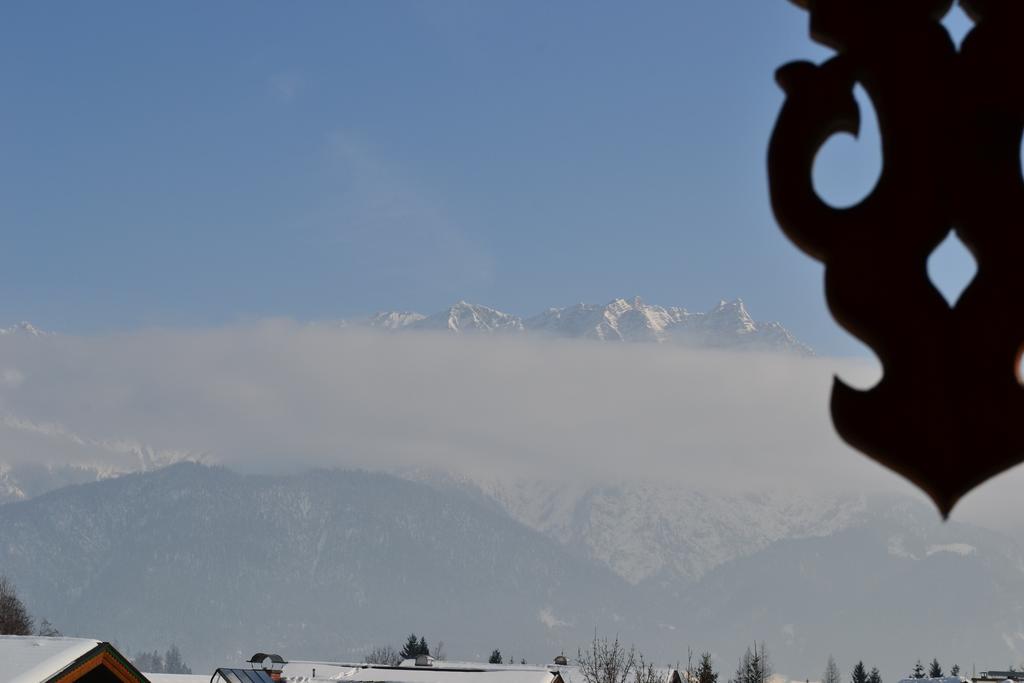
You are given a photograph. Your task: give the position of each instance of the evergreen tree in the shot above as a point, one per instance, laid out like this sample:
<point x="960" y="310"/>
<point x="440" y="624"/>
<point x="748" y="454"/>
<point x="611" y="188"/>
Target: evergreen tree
<point x="741" y="671"/>
<point x="918" y="670"/>
<point x="411" y="648"/>
<point x="705" y="672"/>
<point x="760" y="667"/>
<point x="14" y="618"/>
<point x="149" y="662"/>
<point x="422" y="648"/>
<point x="754" y="666"/>
<point x="955" y="671"/>
<point x="935" y="670"/>
<point x="859" y="673"/>
<point x="831" y="674"/>
<point x="495" y="657"/>
<point x="173" y="663"/>
<point x="874" y="676"/>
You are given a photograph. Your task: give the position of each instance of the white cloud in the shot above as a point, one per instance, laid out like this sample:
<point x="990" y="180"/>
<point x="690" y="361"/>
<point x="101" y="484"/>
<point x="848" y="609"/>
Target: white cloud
<point x="281" y="396"/>
<point x="277" y="396"/>
<point x="547" y="617"/>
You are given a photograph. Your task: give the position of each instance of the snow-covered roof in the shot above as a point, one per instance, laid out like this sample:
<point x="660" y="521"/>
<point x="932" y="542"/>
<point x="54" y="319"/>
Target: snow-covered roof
<point x="29" y="659"/>
<point x="572" y="674"/>
<point x="177" y="678"/>
<point x="439" y="672"/>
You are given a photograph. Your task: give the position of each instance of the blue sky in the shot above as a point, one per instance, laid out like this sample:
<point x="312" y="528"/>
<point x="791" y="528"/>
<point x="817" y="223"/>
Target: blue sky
<point x="198" y="163"/>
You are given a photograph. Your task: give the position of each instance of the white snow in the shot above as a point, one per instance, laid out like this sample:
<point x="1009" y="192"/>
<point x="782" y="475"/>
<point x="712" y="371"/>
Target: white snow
<point x="439" y="672"/>
<point x="572" y="674"/>
<point x="467" y="317"/>
<point x="30" y="659"/>
<point x="24" y="328"/>
<point x="642" y="530"/>
<point x="395" y="320"/>
<point x="962" y="549"/>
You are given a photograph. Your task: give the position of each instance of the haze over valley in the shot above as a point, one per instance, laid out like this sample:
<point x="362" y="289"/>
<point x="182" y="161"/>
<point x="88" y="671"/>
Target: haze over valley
<point x="427" y="472"/>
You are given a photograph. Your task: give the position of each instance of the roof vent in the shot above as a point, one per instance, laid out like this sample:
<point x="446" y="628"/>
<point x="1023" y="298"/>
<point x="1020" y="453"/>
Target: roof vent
<point x="271" y="664"/>
<point x="424" y="660"/>
<point x="560" y="660"/>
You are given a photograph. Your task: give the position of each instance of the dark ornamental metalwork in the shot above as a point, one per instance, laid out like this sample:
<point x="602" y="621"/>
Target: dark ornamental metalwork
<point x="949" y="411"/>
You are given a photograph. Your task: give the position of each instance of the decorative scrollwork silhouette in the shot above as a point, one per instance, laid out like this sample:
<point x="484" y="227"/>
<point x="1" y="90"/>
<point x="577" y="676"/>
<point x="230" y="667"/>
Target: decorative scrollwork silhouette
<point x="949" y="411"/>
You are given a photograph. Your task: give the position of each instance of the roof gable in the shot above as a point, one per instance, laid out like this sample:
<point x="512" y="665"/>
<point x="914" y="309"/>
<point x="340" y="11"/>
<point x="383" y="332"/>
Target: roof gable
<point x="37" y="659"/>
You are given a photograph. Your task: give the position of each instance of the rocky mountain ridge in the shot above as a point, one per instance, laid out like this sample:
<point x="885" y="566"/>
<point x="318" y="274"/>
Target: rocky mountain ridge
<point x="726" y="325"/>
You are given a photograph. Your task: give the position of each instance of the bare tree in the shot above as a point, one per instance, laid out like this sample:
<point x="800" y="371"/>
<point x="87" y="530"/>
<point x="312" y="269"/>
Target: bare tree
<point x="14" y="618"/>
<point x="831" y="672"/>
<point x="47" y="629"/>
<point x="386" y="655"/>
<point x="644" y="672"/>
<point x="606" y="661"/>
<point x="439" y="653"/>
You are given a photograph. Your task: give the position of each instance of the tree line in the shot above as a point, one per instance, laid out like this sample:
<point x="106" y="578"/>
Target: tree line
<point x="934" y="670"/>
<point x="15" y="620"/>
<point x="603" y="661"/>
<point x="415" y="646"/>
<point x="171" y="662"/>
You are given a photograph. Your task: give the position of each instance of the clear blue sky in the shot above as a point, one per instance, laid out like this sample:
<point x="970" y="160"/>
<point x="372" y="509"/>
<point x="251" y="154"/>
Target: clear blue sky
<point x="195" y="163"/>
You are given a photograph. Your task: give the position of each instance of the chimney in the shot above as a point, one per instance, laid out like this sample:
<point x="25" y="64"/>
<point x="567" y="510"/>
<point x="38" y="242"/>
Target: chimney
<point x="560" y="660"/>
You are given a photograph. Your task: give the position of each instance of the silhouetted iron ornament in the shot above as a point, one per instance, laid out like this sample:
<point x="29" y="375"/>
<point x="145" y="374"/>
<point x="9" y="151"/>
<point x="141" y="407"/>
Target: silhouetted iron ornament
<point x="948" y="411"/>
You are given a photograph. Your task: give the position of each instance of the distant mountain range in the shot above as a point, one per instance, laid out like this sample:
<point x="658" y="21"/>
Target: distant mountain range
<point x="329" y="563"/>
<point x="727" y="325"/>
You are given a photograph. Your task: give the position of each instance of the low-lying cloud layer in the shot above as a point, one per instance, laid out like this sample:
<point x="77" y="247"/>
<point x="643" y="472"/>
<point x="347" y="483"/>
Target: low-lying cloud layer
<point x="277" y="397"/>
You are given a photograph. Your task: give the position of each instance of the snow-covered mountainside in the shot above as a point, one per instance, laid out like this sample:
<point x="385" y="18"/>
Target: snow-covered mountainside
<point x="328" y="564"/>
<point x="394" y="320"/>
<point x="322" y="565"/>
<point x="659" y="532"/>
<point x="470" y="318"/>
<point x="726" y="325"/>
<point x="28" y="480"/>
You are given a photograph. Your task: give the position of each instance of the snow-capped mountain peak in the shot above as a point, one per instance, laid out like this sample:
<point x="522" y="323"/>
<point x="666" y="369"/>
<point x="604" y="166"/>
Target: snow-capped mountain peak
<point x="24" y="328"/>
<point x="466" y="317"/>
<point x="731" y="315"/>
<point x="727" y="325"/>
<point x="394" y="320"/>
